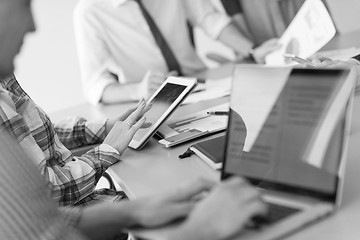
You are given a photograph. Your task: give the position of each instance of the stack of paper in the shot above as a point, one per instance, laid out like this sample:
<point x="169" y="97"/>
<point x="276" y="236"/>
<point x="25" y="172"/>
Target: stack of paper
<point x="214" y="88"/>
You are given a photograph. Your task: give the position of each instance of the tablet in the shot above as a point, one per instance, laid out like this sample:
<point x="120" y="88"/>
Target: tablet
<point x="164" y="101"/>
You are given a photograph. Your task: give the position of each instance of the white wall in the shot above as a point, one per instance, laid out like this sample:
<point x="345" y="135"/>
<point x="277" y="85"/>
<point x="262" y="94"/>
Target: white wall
<point x="47" y="67"/>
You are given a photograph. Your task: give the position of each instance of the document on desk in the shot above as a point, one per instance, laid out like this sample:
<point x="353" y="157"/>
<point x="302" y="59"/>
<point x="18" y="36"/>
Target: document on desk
<point x="194" y="126"/>
<point x="309" y="31"/>
<point x="214" y="88"/>
<point x="343" y="54"/>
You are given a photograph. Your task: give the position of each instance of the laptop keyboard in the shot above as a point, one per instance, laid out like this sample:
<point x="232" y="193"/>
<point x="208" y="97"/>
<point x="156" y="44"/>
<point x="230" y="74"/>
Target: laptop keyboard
<point x="274" y="214"/>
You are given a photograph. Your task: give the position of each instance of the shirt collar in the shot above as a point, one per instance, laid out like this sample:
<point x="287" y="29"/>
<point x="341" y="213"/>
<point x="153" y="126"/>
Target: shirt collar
<point x="119" y="2"/>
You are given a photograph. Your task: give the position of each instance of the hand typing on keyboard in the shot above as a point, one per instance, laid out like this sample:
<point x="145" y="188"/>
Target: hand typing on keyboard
<point x="224" y="212"/>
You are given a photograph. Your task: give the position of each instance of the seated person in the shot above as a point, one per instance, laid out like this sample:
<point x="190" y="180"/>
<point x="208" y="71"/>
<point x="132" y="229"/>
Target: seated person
<point x="261" y="20"/>
<point x="71" y="179"/>
<point x="28" y="213"/>
<point x="121" y="58"/>
<point x="26" y="210"/>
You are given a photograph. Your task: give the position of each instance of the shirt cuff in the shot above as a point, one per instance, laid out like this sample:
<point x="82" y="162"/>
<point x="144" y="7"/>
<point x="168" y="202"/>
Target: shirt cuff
<point x="215" y="24"/>
<point x="106" y="154"/>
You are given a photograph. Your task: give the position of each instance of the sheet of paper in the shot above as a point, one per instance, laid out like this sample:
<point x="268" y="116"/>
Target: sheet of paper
<point x="310" y="30"/>
<point x="194" y="125"/>
<point x="340" y="54"/>
<point x="315" y="153"/>
<point x="250" y="84"/>
<point x="214" y="88"/>
<point x="202" y="120"/>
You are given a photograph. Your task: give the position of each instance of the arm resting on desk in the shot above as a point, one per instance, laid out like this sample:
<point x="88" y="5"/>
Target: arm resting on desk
<point x="75" y="132"/>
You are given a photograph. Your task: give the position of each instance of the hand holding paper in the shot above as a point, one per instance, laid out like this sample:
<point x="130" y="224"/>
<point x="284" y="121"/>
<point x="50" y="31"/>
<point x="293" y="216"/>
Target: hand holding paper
<point x="309" y="31"/>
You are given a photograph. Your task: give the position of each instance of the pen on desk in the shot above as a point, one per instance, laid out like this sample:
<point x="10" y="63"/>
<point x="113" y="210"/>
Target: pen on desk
<point x="298" y="59"/>
<point x="219" y="113"/>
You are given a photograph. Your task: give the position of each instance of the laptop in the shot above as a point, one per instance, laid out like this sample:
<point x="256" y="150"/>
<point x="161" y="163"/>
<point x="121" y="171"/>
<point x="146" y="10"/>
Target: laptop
<point x="297" y="126"/>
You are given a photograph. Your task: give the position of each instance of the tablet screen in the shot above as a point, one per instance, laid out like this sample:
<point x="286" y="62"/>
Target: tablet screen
<point x="160" y="104"/>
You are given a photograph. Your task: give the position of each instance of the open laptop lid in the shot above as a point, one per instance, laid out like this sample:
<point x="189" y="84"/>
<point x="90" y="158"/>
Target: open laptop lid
<point x="296" y="123"/>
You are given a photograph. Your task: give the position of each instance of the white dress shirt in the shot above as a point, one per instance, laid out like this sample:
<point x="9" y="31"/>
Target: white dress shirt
<point x="113" y="37"/>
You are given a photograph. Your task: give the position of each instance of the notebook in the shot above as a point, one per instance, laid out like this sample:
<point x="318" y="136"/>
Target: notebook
<point x="295" y="150"/>
<point x="211" y="151"/>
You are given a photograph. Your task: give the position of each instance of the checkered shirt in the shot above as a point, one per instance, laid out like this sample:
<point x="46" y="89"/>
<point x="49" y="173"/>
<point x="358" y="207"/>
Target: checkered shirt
<point x="71" y="179"/>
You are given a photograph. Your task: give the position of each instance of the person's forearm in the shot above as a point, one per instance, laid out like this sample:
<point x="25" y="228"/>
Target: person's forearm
<point x="234" y="39"/>
<point x="84" y="174"/>
<point x="105" y="220"/>
<point x="76" y="132"/>
<point x="240" y="22"/>
<point x="118" y="93"/>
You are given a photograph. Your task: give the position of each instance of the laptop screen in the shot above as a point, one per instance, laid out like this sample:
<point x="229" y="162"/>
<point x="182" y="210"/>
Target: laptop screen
<point x="294" y="122"/>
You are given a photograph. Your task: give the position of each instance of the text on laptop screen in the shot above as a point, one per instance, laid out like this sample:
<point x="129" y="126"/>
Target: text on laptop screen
<point x="295" y="137"/>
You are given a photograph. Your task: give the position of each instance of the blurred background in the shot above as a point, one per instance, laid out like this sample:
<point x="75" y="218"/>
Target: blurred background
<point x="49" y="59"/>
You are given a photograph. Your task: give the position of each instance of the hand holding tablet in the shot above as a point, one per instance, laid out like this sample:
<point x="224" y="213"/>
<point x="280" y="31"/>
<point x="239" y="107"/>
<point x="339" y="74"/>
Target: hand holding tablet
<point x="123" y="116"/>
<point x="164" y="101"/>
<point x="126" y="129"/>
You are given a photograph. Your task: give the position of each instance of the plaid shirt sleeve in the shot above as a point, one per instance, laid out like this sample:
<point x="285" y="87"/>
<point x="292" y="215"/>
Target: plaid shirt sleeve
<point x="73" y="178"/>
<point x="69" y="178"/>
<point x="75" y="132"/>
